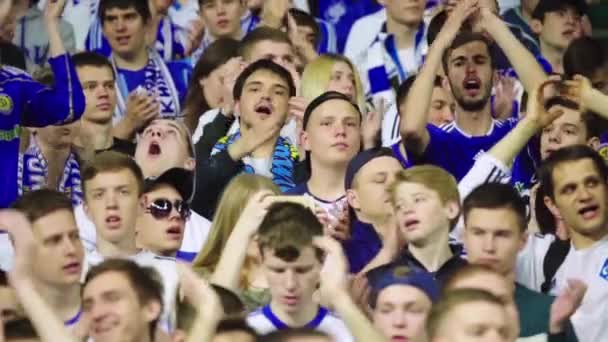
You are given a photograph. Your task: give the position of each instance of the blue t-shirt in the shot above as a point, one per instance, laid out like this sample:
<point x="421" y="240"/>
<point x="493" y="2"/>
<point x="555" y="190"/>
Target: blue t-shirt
<point x="455" y="151"/>
<point x="400" y="157"/>
<point x="180" y="73"/>
<point x="343" y="13"/>
<point x="363" y="245"/>
<point x="26" y="102"/>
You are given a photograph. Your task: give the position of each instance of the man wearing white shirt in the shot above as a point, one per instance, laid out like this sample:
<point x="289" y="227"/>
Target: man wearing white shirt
<point x="574" y="181"/>
<point x="292" y="264"/>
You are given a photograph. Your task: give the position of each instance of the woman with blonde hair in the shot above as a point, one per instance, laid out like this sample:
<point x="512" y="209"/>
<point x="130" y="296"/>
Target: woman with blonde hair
<point x="232" y="203"/>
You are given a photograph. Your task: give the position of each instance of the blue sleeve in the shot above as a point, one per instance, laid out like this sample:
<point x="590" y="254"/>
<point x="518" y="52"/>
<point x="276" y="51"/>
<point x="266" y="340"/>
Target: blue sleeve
<point x="437" y="151"/>
<point x="59" y="105"/>
<point x="181" y="72"/>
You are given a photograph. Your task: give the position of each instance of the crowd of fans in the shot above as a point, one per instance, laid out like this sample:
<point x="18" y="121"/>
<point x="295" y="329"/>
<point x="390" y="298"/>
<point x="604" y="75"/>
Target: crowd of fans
<point x="302" y="170"/>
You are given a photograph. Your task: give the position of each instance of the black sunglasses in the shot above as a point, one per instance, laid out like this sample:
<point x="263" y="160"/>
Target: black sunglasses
<point x="161" y="208"/>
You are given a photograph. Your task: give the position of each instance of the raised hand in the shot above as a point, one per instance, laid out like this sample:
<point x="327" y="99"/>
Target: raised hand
<point x="141" y="109"/>
<point x="578" y="90"/>
<point x="274" y="11"/>
<point x="245" y="145"/>
<point x="304" y="48"/>
<point x="20" y="230"/>
<point x="536" y="112"/>
<point x="459" y="12"/>
<point x="5" y="9"/>
<point x="254" y="213"/>
<point x="334" y="279"/>
<point x="505" y="94"/>
<point x="54" y="9"/>
<point x="196" y="31"/>
<point x="566" y="304"/>
<point x="229" y="72"/>
<point x="372" y="124"/>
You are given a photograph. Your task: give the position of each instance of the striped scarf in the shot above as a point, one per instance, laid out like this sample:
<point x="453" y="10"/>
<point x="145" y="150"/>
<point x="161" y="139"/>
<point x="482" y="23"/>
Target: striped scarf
<point x="284" y="159"/>
<point x="33" y="174"/>
<point x="158" y="80"/>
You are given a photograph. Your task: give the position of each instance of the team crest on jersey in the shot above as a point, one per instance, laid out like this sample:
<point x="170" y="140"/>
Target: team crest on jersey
<point x="604" y="271"/>
<point x="6" y="104"/>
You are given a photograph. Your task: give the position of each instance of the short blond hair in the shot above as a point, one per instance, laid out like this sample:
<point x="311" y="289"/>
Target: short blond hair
<point x="432" y="177"/>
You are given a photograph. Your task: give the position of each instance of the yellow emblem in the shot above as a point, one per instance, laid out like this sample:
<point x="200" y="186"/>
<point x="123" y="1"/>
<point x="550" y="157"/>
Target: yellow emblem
<point x="6" y="104"/>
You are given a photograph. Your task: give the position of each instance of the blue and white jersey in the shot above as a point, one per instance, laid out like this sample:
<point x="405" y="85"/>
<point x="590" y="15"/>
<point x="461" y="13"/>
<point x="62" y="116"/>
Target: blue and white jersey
<point x="195" y="234"/>
<point x="455" y="151"/>
<point x="589" y="265"/>
<point x="25" y="102"/>
<point x="264" y="321"/>
<point x="168" y="82"/>
<point x="170" y="40"/>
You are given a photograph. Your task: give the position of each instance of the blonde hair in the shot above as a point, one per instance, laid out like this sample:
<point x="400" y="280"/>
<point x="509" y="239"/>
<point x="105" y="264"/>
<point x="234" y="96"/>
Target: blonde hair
<point x="432" y="177"/>
<point x="231" y="205"/>
<point x="317" y="74"/>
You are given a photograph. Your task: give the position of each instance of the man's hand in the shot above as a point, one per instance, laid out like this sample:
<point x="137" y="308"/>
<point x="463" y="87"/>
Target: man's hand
<point x="578" y="90"/>
<point x="196" y="31"/>
<point x="198" y="292"/>
<point x="229" y="72"/>
<point x="505" y="94"/>
<point x="274" y="11"/>
<point x="141" y="109"/>
<point x="335" y="225"/>
<point x="245" y="145"/>
<point x="254" y="213"/>
<point x="459" y="11"/>
<point x="5" y="8"/>
<point x="536" y="113"/>
<point x="334" y="280"/>
<point x="20" y="230"/>
<point x="304" y="48"/>
<point x="566" y="304"/>
<point x="53" y="11"/>
<point x="372" y="124"/>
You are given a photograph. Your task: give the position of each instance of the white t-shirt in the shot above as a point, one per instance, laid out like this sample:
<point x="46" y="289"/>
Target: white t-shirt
<point x="195" y="234"/>
<point x="167" y="269"/>
<point x="6" y="252"/>
<point x="264" y="321"/>
<point x="590" y="265"/>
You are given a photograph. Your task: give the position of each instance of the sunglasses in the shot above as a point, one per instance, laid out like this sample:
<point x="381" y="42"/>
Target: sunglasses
<point x="161" y="208"/>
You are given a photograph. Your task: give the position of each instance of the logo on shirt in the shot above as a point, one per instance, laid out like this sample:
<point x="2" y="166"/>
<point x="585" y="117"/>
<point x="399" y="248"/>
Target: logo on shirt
<point x="604" y="271"/>
<point x="6" y="104"/>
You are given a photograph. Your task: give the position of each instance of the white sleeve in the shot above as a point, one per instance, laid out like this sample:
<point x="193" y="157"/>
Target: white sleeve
<point x="529" y="267"/>
<point x="86" y="229"/>
<point x="203" y="120"/>
<point x="486" y="169"/>
<point x="6" y="252"/>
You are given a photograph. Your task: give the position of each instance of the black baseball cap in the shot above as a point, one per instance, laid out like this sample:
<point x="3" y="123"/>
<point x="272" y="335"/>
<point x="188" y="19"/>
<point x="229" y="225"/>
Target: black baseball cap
<point x="180" y="179"/>
<point x="319" y="100"/>
<point x="546" y="6"/>
<point x="394" y="273"/>
<point x="360" y="160"/>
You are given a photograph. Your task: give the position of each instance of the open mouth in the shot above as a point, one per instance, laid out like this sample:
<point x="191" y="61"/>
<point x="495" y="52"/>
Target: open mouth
<point x="291" y="300"/>
<point x="411" y="224"/>
<point x="154" y="149"/>
<point x="113" y="221"/>
<point x="472" y="86"/>
<point x="222" y="23"/>
<point x="399" y="338"/>
<point x="123" y="40"/>
<point x="589" y="211"/>
<point x="264" y="109"/>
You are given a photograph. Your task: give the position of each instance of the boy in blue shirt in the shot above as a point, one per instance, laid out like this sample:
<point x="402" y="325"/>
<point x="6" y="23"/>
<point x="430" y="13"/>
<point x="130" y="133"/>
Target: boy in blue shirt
<point x="24" y="102"/>
<point x="141" y="73"/>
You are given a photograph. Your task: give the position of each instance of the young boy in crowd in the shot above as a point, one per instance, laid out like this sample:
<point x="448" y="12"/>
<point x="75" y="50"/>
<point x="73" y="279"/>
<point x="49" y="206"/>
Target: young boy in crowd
<point x="557" y="23"/>
<point x="466" y="315"/>
<point x="162" y="35"/>
<point x="331" y="137"/>
<point x="401" y="300"/>
<point x="58" y="257"/>
<point x="292" y="264"/>
<point x="468" y="64"/>
<point x="25" y="102"/>
<point x="369" y="176"/>
<point x="140" y="72"/>
<point x="113" y="186"/>
<point x="495" y="232"/>
<point x="261" y="96"/>
<point x="95" y="127"/>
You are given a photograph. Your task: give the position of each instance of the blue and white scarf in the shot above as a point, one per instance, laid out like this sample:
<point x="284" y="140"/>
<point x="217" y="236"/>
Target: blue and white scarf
<point x="284" y="159"/>
<point x="383" y="63"/>
<point x="158" y="80"/>
<point x="33" y="174"/>
<point x="170" y="40"/>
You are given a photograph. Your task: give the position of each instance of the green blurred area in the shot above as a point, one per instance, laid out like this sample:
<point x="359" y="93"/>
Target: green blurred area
<point x="598" y="13"/>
